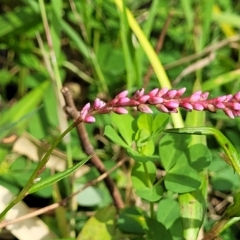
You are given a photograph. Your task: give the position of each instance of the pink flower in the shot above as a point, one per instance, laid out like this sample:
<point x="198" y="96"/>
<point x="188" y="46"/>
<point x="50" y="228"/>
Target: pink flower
<point x="171" y="104"/>
<point x="120" y="110"/>
<point x="139" y="93"/>
<point x="165" y="101"/>
<point x="89" y="119"/>
<point x="144" y="108"/>
<point x="122" y="94"/>
<point x="171" y="94"/>
<point x="153" y="92"/>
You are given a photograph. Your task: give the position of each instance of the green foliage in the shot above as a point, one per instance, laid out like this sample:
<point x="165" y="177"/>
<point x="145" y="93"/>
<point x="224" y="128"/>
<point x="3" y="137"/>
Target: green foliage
<point x="97" y="49"/>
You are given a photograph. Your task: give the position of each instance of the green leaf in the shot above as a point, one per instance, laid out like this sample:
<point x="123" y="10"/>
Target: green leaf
<point x="75" y="37"/>
<point x="131" y="220"/>
<point x="5" y="77"/>
<point x="89" y="197"/>
<point x="27" y="104"/>
<point x="31" y="61"/>
<point x="223" y="79"/>
<point x="227" y="18"/>
<point x="110" y="132"/>
<point x="156" y="229"/>
<point x="199" y="156"/>
<point x="57" y="177"/>
<point x="160" y="121"/>
<point x="171" y="149"/>
<point x="145" y="122"/>
<point x="124" y="126"/>
<point x="141" y="137"/>
<point x="151" y="194"/>
<point x="148" y="149"/>
<point x="139" y="157"/>
<point x="181" y="178"/>
<point x="101" y="226"/>
<point x="109" y="58"/>
<point x="139" y="179"/>
<point x="168" y="212"/>
<point x="225" y="179"/>
<point x="18" y="20"/>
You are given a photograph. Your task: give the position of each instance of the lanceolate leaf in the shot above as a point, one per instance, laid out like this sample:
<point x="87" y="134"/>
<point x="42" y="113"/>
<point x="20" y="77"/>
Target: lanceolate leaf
<point x="23" y="107"/>
<point x="111" y="133"/>
<point x="57" y="177"/>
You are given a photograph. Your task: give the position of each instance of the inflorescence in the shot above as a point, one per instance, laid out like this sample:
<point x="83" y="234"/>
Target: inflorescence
<point x="164" y="100"/>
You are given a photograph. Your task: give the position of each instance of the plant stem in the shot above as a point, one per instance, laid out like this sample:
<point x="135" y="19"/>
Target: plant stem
<point x="36" y="172"/>
<point x="149" y="184"/>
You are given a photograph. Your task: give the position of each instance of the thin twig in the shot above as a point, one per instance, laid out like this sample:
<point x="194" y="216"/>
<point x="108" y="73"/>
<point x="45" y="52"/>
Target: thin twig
<point x="65" y="200"/>
<point x="212" y="48"/>
<point x="88" y="148"/>
<point x="194" y="67"/>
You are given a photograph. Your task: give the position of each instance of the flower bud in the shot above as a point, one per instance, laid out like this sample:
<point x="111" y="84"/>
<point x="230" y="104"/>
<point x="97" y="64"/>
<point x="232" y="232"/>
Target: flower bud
<point x="229" y="113"/>
<point x="198" y="106"/>
<point x="89" y="119"/>
<point x="122" y="94"/>
<point x="144" y="108"/>
<point x="187" y="105"/>
<point x="171" y="104"/>
<point x="161" y="92"/>
<point x="120" y="110"/>
<point x="139" y="93"/>
<point x="171" y="94"/>
<point x="143" y="98"/>
<point x="153" y="92"/>
<point x="155" y="100"/>
<point x="180" y="92"/>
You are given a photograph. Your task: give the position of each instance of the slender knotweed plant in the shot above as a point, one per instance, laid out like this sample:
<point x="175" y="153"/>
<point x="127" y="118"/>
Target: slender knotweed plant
<point x="164" y="100"/>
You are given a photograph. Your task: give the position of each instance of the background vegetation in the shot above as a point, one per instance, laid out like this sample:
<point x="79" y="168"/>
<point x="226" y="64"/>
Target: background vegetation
<point x="98" y="49"/>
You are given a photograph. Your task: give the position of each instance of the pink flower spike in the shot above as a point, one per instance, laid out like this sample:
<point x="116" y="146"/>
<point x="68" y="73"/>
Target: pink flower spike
<point x="237" y="96"/>
<point x="143" y="98"/>
<point x="195" y="96"/>
<point x="133" y="102"/>
<point x="120" y="110"/>
<point x="83" y="113"/>
<point x="86" y="107"/>
<point x="114" y="101"/>
<point x="171" y="104"/>
<point x="229" y="113"/>
<point x="89" y="119"/>
<point x="211" y="108"/>
<point x="144" y="108"/>
<point x="104" y="110"/>
<point x="97" y="103"/>
<point x="236" y="106"/>
<point x="236" y="113"/>
<point x="155" y="100"/>
<point x="198" y="106"/>
<point x="162" y="108"/>
<point x="186" y="105"/>
<point x="161" y="92"/>
<point x="180" y="92"/>
<point x="153" y="92"/>
<point x="171" y="93"/>
<point x="219" y="105"/>
<point x="139" y="93"/>
<point x="204" y="96"/>
<point x="228" y="97"/>
<point x="123" y="101"/>
<point x="221" y="98"/>
<point x="122" y="94"/>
